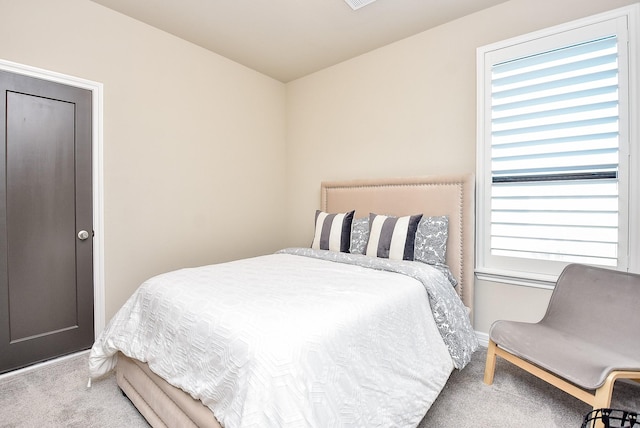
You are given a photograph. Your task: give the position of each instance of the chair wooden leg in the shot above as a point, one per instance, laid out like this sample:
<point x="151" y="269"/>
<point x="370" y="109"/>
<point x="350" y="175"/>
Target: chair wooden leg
<point x="490" y="365"/>
<point x="602" y="399"/>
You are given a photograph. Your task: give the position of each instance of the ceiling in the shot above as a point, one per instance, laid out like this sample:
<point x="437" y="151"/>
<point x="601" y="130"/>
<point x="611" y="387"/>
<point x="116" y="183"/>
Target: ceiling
<point x="288" y="39"/>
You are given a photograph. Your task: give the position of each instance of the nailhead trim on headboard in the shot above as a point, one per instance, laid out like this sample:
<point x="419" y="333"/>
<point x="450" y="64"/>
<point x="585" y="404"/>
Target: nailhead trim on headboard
<point x="461" y="207"/>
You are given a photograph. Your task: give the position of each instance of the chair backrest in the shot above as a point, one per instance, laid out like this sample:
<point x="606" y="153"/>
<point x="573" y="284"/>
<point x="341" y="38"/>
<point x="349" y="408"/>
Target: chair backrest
<point x="601" y="305"/>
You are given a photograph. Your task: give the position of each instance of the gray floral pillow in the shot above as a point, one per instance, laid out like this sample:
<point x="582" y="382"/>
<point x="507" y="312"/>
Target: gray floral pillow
<point x="431" y="240"/>
<point x="359" y="235"/>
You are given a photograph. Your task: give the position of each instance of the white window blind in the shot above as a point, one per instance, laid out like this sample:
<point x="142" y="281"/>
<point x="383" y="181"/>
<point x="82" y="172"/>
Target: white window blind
<point x="554" y="154"/>
<point x="557" y="162"/>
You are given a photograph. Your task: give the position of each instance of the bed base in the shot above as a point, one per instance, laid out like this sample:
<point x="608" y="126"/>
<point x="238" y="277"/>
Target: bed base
<point x="161" y="404"/>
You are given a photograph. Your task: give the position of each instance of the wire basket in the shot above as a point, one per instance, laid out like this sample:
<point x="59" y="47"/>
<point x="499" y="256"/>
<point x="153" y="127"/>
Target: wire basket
<point x="611" y="418"/>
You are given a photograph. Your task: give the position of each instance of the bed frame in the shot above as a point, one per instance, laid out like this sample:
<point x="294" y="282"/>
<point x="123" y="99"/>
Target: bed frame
<point x="164" y="405"/>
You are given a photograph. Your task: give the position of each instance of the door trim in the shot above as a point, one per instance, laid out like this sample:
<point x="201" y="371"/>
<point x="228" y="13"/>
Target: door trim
<point x="96" y="89"/>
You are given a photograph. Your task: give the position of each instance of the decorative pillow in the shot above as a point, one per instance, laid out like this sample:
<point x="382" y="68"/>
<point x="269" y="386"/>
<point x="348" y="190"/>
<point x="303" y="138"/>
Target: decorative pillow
<point x="333" y="231"/>
<point x="359" y="235"/>
<point x="392" y="237"/>
<point x="431" y="240"/>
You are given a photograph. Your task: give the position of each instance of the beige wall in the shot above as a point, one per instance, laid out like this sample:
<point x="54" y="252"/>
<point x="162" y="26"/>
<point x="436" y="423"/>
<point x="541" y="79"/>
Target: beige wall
<point x="203" y="157"/>
<point x="410" y="109"/>
<point x="194" y="144"/>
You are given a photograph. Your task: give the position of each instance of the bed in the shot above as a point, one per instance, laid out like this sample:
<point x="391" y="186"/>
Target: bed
<point x="321" y="349"/>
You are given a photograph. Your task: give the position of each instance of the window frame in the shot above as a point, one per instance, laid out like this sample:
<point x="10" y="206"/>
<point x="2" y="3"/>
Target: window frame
<point x="544" y="274"/>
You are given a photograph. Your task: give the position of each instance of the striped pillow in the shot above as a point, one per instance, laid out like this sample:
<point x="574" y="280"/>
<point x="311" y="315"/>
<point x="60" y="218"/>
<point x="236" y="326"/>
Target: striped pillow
<point x="333" y="231"/>
<point x="392" y="237"/>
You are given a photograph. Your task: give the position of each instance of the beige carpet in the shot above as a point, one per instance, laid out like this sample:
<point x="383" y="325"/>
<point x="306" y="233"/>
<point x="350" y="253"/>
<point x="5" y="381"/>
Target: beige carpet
<point x="56" y="396"/>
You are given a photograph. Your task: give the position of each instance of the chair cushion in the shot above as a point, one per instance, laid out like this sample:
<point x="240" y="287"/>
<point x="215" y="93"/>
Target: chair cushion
<point x="590" y="328"/>
<point x="597" y="304"/>
<point x="579" y="361"/>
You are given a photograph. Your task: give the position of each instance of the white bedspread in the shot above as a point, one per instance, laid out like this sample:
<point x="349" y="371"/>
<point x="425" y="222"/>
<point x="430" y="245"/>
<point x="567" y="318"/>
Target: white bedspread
<point x="287" y="341"/>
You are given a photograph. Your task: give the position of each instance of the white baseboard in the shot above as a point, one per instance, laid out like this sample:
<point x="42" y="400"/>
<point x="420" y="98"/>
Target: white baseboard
<point x="483" y="338"/>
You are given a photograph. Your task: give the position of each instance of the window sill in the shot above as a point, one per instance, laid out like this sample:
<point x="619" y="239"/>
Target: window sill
<point x="523" y="279"/>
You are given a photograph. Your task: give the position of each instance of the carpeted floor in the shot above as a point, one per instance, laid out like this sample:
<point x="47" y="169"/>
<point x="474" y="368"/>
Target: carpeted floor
<point x="516" y="399"/>
<point x="56" y="395"/>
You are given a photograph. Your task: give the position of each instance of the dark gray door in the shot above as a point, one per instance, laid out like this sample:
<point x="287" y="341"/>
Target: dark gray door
<point x="46" y="261"/>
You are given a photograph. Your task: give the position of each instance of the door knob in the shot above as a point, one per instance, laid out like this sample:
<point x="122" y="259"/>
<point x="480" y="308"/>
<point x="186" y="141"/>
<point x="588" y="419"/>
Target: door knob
<point x="83" y="234"/>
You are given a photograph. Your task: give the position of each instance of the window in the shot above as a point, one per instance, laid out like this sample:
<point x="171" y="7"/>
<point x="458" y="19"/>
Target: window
<point x="555" y="141"/>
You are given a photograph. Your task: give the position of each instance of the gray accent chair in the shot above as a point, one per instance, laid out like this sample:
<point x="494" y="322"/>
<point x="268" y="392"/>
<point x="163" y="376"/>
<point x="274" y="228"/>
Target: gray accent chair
<point x="588" y="338"/>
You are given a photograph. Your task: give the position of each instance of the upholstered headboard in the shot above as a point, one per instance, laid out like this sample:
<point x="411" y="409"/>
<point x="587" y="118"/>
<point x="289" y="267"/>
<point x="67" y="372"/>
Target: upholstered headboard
<point x="450" y="195"/>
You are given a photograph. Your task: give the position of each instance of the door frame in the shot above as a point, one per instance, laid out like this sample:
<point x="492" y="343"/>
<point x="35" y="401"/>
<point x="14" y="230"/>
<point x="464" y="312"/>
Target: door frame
<point x="97" y="172"/>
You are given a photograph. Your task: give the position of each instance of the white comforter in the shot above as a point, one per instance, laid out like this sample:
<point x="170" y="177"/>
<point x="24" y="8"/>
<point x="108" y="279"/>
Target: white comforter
<point x="287" y="341"/>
